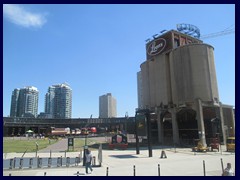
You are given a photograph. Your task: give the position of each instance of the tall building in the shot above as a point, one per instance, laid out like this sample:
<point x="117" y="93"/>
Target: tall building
<point x="107" y="106"/>
<point x="58" y="101"/>
<point x="14" y="103"/>
<point x="49" y="101"/>
<point x="24" y="102"/>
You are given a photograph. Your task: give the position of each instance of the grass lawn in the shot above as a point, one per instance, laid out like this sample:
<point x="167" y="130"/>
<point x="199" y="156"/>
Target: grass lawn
<point x="21" y="145"/>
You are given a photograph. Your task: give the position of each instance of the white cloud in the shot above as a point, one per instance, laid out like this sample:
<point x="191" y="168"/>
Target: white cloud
<point x="18" y="15"/>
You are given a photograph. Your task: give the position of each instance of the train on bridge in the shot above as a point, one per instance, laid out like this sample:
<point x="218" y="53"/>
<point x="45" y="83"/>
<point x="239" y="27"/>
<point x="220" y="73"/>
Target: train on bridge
<point x="52" y="131"/>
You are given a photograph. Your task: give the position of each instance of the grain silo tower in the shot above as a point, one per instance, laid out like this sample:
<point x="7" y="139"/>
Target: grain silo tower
<point x="179" y="84"/>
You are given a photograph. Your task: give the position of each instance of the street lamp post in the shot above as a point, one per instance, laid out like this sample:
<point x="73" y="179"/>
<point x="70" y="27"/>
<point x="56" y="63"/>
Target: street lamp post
<point x="36" y="148"/>
<point x="126" y="118"/>
<point x="136" y="135"/>
<point x="146" y="113"/>
<point x="149" y="134"/>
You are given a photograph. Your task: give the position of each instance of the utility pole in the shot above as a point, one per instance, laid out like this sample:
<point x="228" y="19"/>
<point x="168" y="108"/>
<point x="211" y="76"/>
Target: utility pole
<point x="136" y="135"/>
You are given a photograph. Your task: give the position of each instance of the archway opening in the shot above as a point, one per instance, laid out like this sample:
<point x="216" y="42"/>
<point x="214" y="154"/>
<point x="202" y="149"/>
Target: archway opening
<point x="187" y="125"/>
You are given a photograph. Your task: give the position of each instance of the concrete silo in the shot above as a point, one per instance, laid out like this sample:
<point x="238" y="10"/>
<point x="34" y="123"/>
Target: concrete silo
<point x="156" y="81"/>
<point x="193" y="75"/>
<point x="179" y="76"/>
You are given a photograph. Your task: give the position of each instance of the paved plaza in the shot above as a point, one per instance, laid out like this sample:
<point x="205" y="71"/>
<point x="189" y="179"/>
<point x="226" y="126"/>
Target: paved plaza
<point x="179" y="162"/>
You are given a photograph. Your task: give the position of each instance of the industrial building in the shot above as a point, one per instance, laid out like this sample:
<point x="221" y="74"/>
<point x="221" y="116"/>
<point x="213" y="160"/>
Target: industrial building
<point x="179" y="86"/>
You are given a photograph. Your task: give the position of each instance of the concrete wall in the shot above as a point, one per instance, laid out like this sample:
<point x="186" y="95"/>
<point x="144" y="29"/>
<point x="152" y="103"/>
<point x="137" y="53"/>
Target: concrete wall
<point x="229" y="120"/>
<point x="193" y="73"/>
<point x="156" y="81"/>
<point x="180" y="76"/>
<point x="145" y="84"/>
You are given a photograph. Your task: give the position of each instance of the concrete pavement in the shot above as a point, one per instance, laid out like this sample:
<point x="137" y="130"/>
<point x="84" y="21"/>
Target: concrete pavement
<point x="179" y="162"/>
<point x="59" y="146"/>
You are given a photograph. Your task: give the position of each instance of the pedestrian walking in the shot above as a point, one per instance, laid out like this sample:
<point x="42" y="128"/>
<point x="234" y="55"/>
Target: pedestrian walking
<point x="88" y="163"/>
<point x="228" y="171"/>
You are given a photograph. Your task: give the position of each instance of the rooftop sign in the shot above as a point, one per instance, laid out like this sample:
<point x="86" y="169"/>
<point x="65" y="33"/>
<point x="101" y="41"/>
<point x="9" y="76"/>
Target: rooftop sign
<point x="156" y="46"/>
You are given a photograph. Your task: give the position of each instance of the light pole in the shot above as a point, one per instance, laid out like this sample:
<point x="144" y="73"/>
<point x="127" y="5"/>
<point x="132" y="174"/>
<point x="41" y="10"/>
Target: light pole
<point x="149" y="134"/>
<point x="126" y="118"/>
<point x="146" y="113"/>
<point x="136" y="135"/>
<point x="36" y="148"/>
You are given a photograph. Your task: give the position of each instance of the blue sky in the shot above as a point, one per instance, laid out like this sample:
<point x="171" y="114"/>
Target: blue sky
<point x="98" y="49"/>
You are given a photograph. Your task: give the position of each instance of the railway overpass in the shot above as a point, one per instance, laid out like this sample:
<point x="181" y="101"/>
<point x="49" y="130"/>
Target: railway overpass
<point x="15" y="126"/>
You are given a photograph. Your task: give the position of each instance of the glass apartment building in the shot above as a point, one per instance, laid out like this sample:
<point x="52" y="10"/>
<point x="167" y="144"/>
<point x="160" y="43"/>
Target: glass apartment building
<point x="24" y="102"/>
<point x="58" y="101"/>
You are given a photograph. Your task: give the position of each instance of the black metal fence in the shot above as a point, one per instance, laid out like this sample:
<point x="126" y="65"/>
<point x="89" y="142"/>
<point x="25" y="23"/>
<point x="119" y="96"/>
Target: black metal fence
<point x="37" y="162"/>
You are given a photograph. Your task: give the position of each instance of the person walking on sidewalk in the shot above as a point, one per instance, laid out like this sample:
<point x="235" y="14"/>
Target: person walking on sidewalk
<point x="228" y="171"/>
<point x="88" y="161"/>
